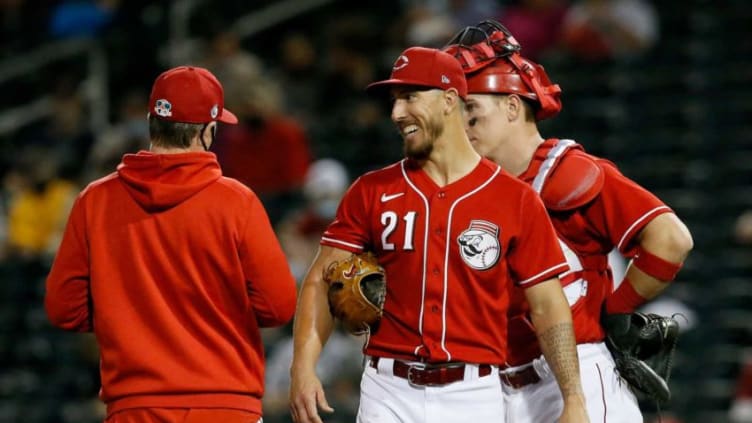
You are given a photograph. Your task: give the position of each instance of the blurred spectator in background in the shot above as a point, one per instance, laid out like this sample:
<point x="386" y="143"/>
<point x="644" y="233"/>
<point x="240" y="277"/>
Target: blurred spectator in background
<point x="351" y="42"/>
<point x="741" y="406"/>
<point x="299" y="73"/>
<point x="3" y="221"/>
<point x="358" y="136"/>
<point x="339" y="368"/>
<point x="65" y="133"/>
<point x="536" y="24"/>
<point x="604" y="29"/>
<point x="40" y="200"/>
<point x="340" y="364"/>
<point x="469" y="12"/>
<point x="129" y="135"/>
<point x="458" y="13"/>
<point x="351" y="126"/>
<point x="268" y="151"/>
<point x="226" y="58"/>
<point x="19" y="24"/>
<point x="82" y="18"/>
<point x="743" y="228"/>
<point x="300" y="231"/>
<point x="428" y="27"/>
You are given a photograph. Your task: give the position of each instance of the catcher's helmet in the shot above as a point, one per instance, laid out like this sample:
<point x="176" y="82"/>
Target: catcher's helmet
<point x="491" y="60"/>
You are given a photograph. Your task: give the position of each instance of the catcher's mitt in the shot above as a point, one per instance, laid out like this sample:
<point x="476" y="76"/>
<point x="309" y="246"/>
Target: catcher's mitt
<point x="643" y="347"/>
<point x="357" y="289"/>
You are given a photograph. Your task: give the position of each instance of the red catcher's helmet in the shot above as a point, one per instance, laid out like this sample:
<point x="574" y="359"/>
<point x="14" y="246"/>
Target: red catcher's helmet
<point x="491" y="60"/>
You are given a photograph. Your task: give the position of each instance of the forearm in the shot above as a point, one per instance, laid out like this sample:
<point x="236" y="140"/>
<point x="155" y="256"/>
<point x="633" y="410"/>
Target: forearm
<point x="313" y="320"/>
<point x="552" y="318"/>
<point x="312" y="327"/>
<point x="556" y="338"/>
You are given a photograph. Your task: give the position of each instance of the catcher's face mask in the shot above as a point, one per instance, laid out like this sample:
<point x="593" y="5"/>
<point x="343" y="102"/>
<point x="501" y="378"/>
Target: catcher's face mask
<point x="491" y="60"/>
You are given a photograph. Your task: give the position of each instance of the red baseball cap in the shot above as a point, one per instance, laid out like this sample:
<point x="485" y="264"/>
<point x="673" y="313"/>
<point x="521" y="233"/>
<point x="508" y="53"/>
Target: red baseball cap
<point x="425" y="67"/>
<point x="189" y="94"/>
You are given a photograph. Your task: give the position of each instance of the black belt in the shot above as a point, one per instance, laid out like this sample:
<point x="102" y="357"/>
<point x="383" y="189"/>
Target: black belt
<point x="431" y="374"/>
<point x="520" y="378"/>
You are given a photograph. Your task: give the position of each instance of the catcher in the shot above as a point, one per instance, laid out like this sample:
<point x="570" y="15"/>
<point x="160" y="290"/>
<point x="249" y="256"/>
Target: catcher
<point x="594" y="209"/>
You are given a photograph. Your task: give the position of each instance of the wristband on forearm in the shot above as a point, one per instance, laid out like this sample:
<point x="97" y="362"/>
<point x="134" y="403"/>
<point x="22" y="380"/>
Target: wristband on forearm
<point x="655" y="266"/>
<point x="624" y="300"/>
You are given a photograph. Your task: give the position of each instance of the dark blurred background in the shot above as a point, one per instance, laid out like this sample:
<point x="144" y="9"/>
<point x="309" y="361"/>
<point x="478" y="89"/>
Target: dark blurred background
<point x="662" y="88"/>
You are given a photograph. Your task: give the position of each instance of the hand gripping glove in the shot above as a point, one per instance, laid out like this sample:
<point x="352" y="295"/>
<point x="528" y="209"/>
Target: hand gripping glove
<point x="643" y="348"/>
<point x="357" y="289"/>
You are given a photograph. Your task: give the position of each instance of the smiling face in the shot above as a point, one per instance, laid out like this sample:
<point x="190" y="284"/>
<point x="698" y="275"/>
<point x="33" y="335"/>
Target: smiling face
<point x="418" y="115"/>
<point x="486" y="122"/>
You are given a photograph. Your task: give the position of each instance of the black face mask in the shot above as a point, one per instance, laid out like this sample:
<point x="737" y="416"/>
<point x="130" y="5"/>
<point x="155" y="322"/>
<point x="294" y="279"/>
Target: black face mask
<point x="213" y="136"/>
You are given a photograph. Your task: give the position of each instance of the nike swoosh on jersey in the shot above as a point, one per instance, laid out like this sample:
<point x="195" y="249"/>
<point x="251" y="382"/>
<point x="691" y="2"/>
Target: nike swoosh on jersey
<point x="385" y="198"/>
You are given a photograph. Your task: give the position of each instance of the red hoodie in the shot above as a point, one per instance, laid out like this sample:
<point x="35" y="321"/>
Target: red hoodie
<point x="175" y="268"/>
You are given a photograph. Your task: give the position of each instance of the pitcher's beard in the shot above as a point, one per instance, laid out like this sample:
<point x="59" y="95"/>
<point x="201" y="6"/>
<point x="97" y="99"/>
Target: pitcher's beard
<point x="423" y="151"/>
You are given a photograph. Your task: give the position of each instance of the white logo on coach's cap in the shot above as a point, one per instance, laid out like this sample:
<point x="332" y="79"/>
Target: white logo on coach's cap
<point x="444" y="79"/>
<point x="479" y="244"/>
<point x="163" y="108"/>
<point x="214" y="111"/>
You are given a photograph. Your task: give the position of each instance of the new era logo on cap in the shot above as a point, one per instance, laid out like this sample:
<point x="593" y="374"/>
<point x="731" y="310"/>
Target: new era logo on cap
<point x="189" y="94"/>
<point x="425" y="67"/>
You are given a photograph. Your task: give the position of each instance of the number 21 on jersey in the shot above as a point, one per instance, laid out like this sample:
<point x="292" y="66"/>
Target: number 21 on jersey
<point x="393" y="223"/>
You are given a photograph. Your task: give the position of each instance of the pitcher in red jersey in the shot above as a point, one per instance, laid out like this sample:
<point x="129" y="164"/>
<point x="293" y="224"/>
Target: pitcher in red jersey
<point x="451" y="251"/>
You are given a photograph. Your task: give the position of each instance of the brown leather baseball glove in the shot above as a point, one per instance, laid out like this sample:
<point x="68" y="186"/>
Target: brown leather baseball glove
<point x="357" y="289"/>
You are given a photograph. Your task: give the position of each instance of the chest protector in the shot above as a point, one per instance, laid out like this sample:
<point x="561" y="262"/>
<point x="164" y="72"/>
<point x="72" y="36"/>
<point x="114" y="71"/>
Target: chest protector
<point x="566" y="180"/>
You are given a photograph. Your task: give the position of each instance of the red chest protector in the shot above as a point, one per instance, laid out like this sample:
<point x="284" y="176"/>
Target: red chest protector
<point x="567" y="179"/>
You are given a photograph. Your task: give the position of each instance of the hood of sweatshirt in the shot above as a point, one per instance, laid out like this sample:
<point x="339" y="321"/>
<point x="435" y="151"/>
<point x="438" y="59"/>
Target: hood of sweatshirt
<point x="161" y="181"/>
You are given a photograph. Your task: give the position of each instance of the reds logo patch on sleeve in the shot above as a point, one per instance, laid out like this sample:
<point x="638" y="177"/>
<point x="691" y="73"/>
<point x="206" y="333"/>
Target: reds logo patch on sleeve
<point x="479" y="244"/>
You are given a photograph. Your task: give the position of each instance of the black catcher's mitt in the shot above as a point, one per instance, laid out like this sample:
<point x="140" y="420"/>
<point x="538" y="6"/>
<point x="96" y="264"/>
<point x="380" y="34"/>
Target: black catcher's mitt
<point x="357" y="289"/>
<point x="643" y="347"/>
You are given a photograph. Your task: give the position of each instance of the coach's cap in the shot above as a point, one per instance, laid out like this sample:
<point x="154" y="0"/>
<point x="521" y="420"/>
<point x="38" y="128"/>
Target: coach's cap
<point x="189" y="94"/>
<point x="425" y="67"/>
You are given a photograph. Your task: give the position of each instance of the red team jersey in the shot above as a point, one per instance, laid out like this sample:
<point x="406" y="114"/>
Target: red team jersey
<point x="587" y="233"/>
<point x="451" y="255"/>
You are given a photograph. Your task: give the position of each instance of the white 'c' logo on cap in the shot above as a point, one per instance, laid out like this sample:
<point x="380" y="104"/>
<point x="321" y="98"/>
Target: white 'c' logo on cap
<point x="400" y="63"/>
<point x="214" y="111"/>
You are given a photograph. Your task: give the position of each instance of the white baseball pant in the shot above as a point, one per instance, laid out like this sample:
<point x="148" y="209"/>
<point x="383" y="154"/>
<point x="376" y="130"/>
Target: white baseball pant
<point x="609" y="398"/>
<point x="386" y="398"/>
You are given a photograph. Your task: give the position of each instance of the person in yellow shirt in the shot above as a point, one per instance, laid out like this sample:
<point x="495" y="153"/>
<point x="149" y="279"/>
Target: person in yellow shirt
<point x="38" y="210"/>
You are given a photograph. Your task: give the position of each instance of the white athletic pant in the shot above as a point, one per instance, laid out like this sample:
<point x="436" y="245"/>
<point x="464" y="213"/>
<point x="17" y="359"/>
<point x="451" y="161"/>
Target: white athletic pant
<point x="609" y="398"/>
<point x="385" y="398"/>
